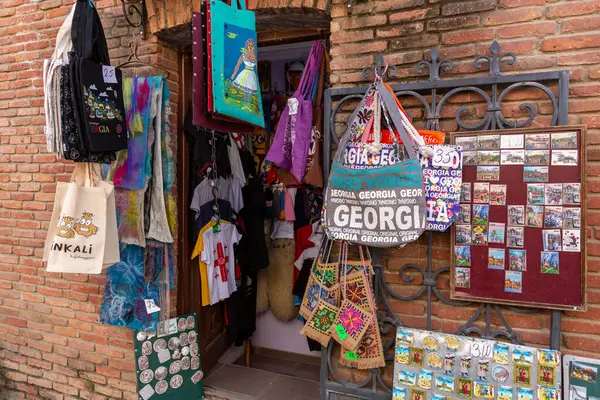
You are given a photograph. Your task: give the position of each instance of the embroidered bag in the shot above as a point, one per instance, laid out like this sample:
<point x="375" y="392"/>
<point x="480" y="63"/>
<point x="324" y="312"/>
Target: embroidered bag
<point x="320" y="322"/>
<point x="234" y="91"/>
<point x="327" y="273"/>
<point x="323" y="286"/>
<point x="291" y="144"/>
<point x="382" y="206"/>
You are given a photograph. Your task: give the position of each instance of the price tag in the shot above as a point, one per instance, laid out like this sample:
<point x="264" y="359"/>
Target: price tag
<point x="109" y="74"/>
<point x="151" y="306"/>
<point x="293" y="106"/>
<point x="351" y="356"/>
<point x="482" y="349"/>
<point x="445" y="157"/>
<point x="341" y="331"/>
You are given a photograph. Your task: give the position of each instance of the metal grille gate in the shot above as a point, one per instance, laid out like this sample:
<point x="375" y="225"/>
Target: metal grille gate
<point x="434" y="94"/>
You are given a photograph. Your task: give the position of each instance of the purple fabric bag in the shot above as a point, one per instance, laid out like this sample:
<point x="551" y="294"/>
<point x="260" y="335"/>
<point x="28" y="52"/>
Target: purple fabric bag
<point x="292" y="139"/>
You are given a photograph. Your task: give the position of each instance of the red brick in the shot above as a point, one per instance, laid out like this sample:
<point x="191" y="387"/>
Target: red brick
<point x="530" y="29"/>
<point x="573" y="8"/>
<point x="571" y="42"/>
<point x="475" y="35"/>
<point x="468" y="7"/>
<point x="413" y="15"/>
<point x="446" y="23"/>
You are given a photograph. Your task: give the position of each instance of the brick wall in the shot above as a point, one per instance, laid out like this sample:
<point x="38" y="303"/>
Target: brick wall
<point x="51" y="344"/>
<point x="545" y="35"/>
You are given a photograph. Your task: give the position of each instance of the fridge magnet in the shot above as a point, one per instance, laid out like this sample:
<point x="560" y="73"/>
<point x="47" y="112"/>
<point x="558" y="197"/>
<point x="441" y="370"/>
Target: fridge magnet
<point x="500" y="374"/>
<point x="505" y="393"/>
<point x="512" y="141"/>
<point x="484" y="390"/>
<point x="463" y="234"/>
<point x="488" y="158"/>
<point x="552" y="240"/>
<point x="571" y="240"/>
<point x="402" y="354"/>
<point x="483" y="366"/>
<point x="481" y="193"/>
<point x="404" y="337"/>
<point x="513" y="282"/>
<point x="554" y="194"/>
<point x="515" y="237"/>
<point x="584" y="372"/>
<point x="496" y="233"/>
<point x="522" y="375"/>
<point x="564" y="140"/>
<point x="444" y="383"/>
<point x="147" y="348"/>
<point x="512" y="157"/>
<point x="548" y="393"/>
<point x="430" y="343"/>
<point x="462" y="256"/>
<point x="399" y="393"/>
<point x="535" y="216"/>
<point x="416" y="356"/>
<point x="417" y="395"/>
<point x="500" y="353"/>
<point x="571" y="193"/>
<point x="496" y="258"/>
<point x="516" y="215"/>
<point x="467" y="142"/>
<point x="498" y="195"/>
<point x="535" y="194"/>
<point x="479" y="236"/>
<point x="464" y="215"/>
<point x="425" y="379"/>
<point x="537" y="157"/>
<point x="537" y="141"/>
<point x="481" y="214"/>
<point x="438" y="397"/>
<point x="408" y="378"/>
<point x="452" y="343"/>
<point x="448" y="367"/>
<point x="488" y="173"/>
<point x="546" y="375"/>
<point x="465" y="388"/>
<point x="434" y="360"/>
<point x="465" y="192"/>
<point x="143" y="363"/>
<point x="549" y="263"/>
<point x="161" y="387"/>
<point x="488" y="142"/>
<point x="517" y="260"/>
<point x="535" y="174"/>
<point x="548" y="357"/>
<point x="577" y="392"/>
<point x="464" y="366"/>
<point x="469" y="158"/>
<point x="571" y="218"/>
<point x="524" y="393"/>
<point x="564" y="158"/>
<point x="522" y="356"/>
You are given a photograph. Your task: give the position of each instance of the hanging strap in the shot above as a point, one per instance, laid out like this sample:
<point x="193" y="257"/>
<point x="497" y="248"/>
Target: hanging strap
<point x="311" y="69"/>
<point x="327" y="246"/>
<point x="367" y="279"/>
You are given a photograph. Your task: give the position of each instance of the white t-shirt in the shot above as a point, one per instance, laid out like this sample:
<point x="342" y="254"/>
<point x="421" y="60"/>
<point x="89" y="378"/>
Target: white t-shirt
<point x="219" y="257"/>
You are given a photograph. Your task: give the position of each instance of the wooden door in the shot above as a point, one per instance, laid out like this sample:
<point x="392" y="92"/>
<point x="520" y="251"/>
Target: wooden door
<point x="211" y="323"/>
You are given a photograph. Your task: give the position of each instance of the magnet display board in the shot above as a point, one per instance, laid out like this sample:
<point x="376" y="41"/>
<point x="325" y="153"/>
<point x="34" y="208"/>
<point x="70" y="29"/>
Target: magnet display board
<point x="438" y="366"/>
<point x="168" y="360"/>
<point x="580" y="375"/>
<point x="520" y="233"/>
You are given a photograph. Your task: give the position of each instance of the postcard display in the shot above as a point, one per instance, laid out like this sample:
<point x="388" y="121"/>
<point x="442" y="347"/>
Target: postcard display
<point x="519" y="233"/>
<point x="437" y="366"/>
<point x="580" y="377"/>
<point x="168" y="360"/>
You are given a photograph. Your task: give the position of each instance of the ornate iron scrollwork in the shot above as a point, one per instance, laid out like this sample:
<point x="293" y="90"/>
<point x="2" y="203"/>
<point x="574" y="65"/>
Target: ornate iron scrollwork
<point x="135" y="13"/>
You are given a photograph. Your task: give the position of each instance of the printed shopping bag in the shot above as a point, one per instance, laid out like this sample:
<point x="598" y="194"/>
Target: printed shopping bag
<point x="319" y="324"/>
<point x="381" y="206"/>
<point x="292" y="140"/>
<point x="233" y="54"/>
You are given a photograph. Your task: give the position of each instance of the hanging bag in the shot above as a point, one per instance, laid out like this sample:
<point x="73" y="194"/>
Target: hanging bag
<point x="233" y="53"/>
<point x="382" y="206"/>
<point x="292" y="140"/>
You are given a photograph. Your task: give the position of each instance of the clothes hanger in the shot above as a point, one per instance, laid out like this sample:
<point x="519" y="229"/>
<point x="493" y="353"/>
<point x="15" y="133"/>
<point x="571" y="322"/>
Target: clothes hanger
<point x="134" y="61"/>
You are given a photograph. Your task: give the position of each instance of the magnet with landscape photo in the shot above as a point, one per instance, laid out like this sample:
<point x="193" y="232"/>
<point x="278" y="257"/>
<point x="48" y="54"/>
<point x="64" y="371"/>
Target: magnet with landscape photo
<point x="481" y="214"/>
<point x="488" y="157"/>
<point x="564" y="158"/>
<point x="399" y="393"/>
<point x="462" y="256"/>
<point x="537" y="157"/>
<point x="501" y="353"/>
<point x="571" y="193"/>
<point x="524" y="393"/>
<point x="488" y="142"/>
<point x="497" y="195"/>
<point x="571" y="218"/>
<point x="535" y="174"/>
<point x="469" y="158"/>
<point x="517" y="260"/>
<point x="522" y="356"/>
<point x="467" y="142"/>
<point x="463" y="234"/>
<point x="537" y="141"/>
<point x="515" y="237"/>
<point x="550" y="263"/>
<point x="548" y="393"/>
<point x="553" y="217"/>
<point x="505" y="393"/>
<point x="554" y="194"/>
<point x="496" y="258"/>
<point x="571" y="240"/>
<point x="535" y="194"/>
<point x="479" y="235"/>
<point x="481" y="193"/>
<point x="512" y="141"/>
<point x="535" y="216"/>
<point x="444" y="383"/>
<point x="402" y="354"/>
<point x="512" y="157"/>
<point x="516" y="215"/>
<point x="425" y="379"/>
<point x="513" y="282"/>
<point x="552" y="239"/>
<point x="584" y="372"/>
<point x="488" y="173"/>
<point x="564" y="140"/>
<point x="462" y="277"/>
<point x="464" y="215"/>
<point x="408" y="378"/>
<point x="497" y="232"/>
<point x="465" y="192"/>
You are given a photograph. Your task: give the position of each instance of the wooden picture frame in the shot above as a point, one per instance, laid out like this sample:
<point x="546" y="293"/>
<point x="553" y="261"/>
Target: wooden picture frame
<point x="533" y="289"/>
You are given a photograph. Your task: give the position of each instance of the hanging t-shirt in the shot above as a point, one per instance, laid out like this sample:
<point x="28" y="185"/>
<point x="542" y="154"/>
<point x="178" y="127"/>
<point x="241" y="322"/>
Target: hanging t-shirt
<point x="237" y="170"/>
<point x="218" y="254"/>
<point x="227" y="189"/>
